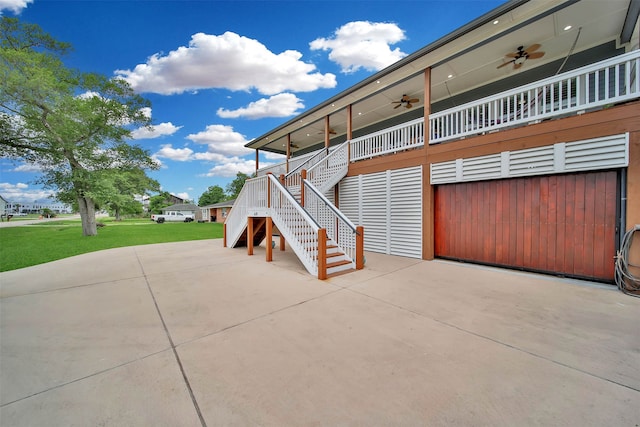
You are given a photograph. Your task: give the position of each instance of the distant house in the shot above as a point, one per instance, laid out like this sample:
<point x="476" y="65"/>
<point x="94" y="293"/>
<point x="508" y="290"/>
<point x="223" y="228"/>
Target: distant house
<point x="175" y="199"/>
<point x="217" y="212"/>
<point x="184" y="208"/>
<point x="3" y="207"/>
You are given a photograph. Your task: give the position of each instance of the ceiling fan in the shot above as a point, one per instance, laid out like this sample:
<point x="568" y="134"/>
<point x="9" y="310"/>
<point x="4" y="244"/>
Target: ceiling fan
<point x="291" y="144"/>
<point x="521" y="55"/>
<point x="331" y="131"/>
<point x="406" y="101"/>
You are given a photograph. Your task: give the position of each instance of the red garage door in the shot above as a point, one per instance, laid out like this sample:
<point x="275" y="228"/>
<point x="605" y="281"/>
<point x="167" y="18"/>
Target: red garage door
<point x="563" y="224"/>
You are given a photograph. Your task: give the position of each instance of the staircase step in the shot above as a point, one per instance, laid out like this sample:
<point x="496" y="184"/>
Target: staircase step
<point x="338" y="263"/>
<point x="338" y="266"/>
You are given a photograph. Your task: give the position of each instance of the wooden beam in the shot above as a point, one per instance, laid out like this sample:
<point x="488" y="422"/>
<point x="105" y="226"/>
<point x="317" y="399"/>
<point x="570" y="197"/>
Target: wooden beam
<point x="224" y="235"/>
<point x="428" y="206"/>
<point x="359" y="247"/>
<point x="288" y="150"/>
<point x="269" y="240"/>
<point x="327" y="132"/>
<point x="349" y="130"/>
<point x="250" y="235"/>
<point x="257" y="160"/>
<point x="322" y="254"/>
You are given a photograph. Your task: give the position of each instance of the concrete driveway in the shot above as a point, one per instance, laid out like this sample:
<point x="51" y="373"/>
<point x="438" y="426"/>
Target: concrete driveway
<point x="192" y="334"/>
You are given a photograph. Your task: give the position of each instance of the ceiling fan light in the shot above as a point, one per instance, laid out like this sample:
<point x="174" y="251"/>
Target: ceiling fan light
<point x="568" y="27"/>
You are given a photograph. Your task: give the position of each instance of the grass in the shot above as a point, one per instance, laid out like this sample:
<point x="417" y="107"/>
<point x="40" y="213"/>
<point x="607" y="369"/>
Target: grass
<point x="39" y="243"/>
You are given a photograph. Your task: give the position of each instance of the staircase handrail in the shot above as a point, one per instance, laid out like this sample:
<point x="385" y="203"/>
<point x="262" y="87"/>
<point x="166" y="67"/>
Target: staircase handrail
<point x="324" y="174"/>
<point x="310" y="161"/>
<point x="287" y="213"/>
<point x="327" y="202"/>
<point x="248" y="200"/>
<point x="339" y="229"/>
<point x="293" y="179"/>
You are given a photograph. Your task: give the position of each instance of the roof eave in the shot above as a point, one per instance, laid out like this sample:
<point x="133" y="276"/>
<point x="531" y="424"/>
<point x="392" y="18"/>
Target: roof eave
<point x="258" y="142"/>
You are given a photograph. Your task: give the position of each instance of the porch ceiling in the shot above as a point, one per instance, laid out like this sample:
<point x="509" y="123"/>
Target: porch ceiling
<point x="469" y="60"/>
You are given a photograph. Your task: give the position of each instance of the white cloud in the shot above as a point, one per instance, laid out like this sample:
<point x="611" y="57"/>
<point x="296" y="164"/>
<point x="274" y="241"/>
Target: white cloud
<point x="362" y="44"/>
<point x="155" y="131"/>
<point x="227" y="61"/>
<point x="231" y="168"/>
<point x="222" y="139"/>
<point x="15" y="6"/>
<point x="20" y="193"/>
<point x="27" y="167"/>
<point x="177" y="154"/>
<point x="281" y="105"/>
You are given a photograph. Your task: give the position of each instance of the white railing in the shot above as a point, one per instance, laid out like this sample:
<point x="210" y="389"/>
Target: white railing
<point x="340" y="229"/>
<point x="329" y="170"/>
<point x="277" y="169"/>
<point x="252" y="201"/>
<point x="613" y="80"/>
<point x="281" y="168"/>
<point x="397" y="138"/>
<point x="293" y="180"/>
<point x="296" y="225"/>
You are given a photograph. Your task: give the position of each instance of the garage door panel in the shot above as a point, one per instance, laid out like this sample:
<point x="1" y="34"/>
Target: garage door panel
<point x="556" y="223"/>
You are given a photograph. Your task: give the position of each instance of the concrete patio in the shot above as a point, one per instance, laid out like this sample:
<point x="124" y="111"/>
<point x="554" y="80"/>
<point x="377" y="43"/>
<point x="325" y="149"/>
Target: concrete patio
<point x="192" y="334"/>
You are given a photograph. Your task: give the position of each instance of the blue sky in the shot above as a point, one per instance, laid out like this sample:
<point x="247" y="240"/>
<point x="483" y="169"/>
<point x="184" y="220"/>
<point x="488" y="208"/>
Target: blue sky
<point x="220" y="73"/>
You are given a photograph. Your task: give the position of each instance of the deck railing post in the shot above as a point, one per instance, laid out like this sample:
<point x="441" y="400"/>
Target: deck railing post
<point x="359" y="247"/>
<point x="269" y="240"/>
<point x="250" y="235"/>
<point x="322" y="254"/>
<point x="224" y="235"/>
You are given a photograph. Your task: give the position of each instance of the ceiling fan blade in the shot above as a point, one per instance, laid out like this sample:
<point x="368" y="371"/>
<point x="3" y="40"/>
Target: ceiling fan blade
<point x="413" y="100"/>
<point x="532" y="48"/>
<point x="505" y="64"/>
<point x="516" y="66"/>
<point x="397" y="106"/>
<point x="409" y="105"/>
<point x="405" y="98"/>
<point x="536" y="55"/>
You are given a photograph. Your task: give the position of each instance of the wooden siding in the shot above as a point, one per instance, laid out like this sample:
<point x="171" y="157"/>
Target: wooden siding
<point x="559" y="223"/>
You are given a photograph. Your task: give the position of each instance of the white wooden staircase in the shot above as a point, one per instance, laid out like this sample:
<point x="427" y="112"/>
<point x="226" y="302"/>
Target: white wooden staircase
<point x="324" y="240"/>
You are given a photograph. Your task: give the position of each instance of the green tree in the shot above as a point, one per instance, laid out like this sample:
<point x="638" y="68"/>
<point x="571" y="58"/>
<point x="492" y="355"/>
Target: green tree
<point x="214" y="194"/>
<point x="120" y="188"/>
<point x="74" y="125"/>
<point x="156" y="203"/>
<point x="234" y="187"/>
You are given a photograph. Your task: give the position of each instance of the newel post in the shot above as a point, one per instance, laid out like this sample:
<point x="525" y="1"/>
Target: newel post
<point x="269" y="240"/>
<point x="359" y="247"/>
<point x="303" y="176"/>
<point x="250" y="235"/>
<point x="224" y="235"/>
<point x="322" y="254"/>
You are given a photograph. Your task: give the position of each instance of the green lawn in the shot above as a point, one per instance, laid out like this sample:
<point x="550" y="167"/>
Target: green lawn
<point x="39" y="243"/>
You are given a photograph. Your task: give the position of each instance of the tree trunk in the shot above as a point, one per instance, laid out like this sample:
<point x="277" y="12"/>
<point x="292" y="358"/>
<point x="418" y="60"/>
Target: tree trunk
<point x="88" y="216"/>
<point x="117" y="218"/>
